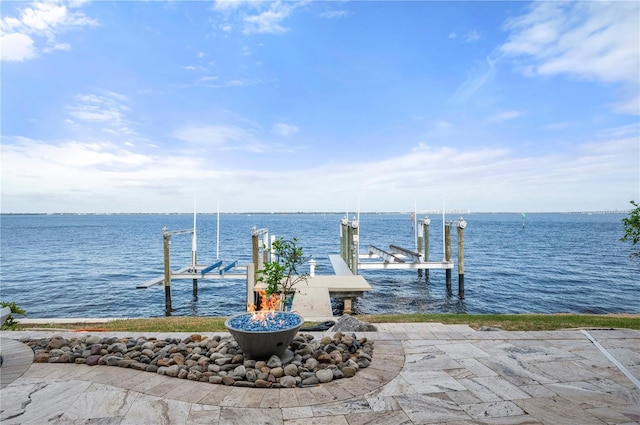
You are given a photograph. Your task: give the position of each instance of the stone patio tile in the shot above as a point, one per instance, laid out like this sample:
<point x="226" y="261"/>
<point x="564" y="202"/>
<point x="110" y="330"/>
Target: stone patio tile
<point x="397" y="417"/>
<point x="556" y="411"/>
<point x="565" y="371"/>
<point x="165" y="386"/>
<point x="339" y="392"/>
<point x="460" y="373"/>
<point x="297" y="412"/>
<point x="476" y="368"/>
<point x="632" y="411"/>
<point x="609" y="415"/>
<point x="192" y="392"/>
<point x="397" y="386"/>
<point x="37" y="370"/>
<point x="322" y="395"/>
<point x="429" y="361"/>
<point x="345" y="407"/>
<point x="380" y="403"/>
<point x="586" y="394"/>
<point x="147" y="409"/>
<point x="495" y="409"/>
<point x="216" y="395"/>
<point x="270" y="399"/>
<point x="463" y="397"/>
<point x="305" y="397"/>
<point x="253" y="397"/>
<point x="462" y="350"/>
<point x="323" y="420"/>
<point x="539" y="351"/>
<point x="431" y="408"/>
<point x="202" y="414"/>
<point x="288" y="398"/>
<point x="515" y="371"/>
<point x="538" y="391"/>
<point x="149" y="381"/>
<point x="356" y="385"/>
<point x="100" y="401"/>
<point x="417" y="347"/>
<point x="493" y="388"/>
<point x="250" y="416"/>
<point x="432" y="382"/>
<point x="234" y="397"/>
<point x="41" y="403"/>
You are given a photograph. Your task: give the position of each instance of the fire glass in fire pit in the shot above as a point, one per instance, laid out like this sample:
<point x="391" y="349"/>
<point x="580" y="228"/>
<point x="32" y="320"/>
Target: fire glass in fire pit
<point x="267" y="335"/>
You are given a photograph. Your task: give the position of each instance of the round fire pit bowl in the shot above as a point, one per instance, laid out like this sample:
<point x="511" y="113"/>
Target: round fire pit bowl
<point x="261" y="342"/>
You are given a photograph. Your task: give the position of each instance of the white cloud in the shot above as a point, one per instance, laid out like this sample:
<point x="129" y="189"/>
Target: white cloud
<point x="285" y="130"/>
<point x="334" y="14"/>
<point x="16" y="47"/>
<point x="505" y="116"/>
<point x="268" y="21"/>
<point x="482" y="73"/>
<point x="106" y="111"/>
<point x="471" y="36"/>
<point x="257" y="17"/>
<point x="104" y="176"/>
<point x="217" y="135"/>
<point x="40" y="20"/>
<point x="595" y="41"/>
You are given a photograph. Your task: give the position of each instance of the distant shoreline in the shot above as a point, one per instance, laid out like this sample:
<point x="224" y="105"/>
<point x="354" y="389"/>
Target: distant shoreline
<point x="449" y="212"/>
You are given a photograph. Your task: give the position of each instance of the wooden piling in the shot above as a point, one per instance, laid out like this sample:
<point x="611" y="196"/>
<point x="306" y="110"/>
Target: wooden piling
<point x="425" y="242"/>
<point x="447" y="255"/>
<point x="195" y="289"/>
<point x="344" y="240"/>
<point x="166" y="237"/>
<point x="354" y="247"/>
<point x="255" y="252"/>
<point x="461" y="225"/>
<point x="251" y="283"/>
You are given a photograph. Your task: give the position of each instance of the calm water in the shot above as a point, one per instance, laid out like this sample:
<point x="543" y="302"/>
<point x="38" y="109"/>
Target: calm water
<point x="89" y="266"/>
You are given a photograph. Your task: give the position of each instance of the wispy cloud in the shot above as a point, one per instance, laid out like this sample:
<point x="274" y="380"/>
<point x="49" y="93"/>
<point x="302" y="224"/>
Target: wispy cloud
<point x="285" y="130"/>
<point x="21" y="35"/>
<point x="105" y="109"/>
<point x="334" y="14"/>
<point x="256" y="17"/>
<point x="467" y="37"/>
<point x="505" y="116"/>
<point x="481" y="74"/>
<point x="586" y="40"/>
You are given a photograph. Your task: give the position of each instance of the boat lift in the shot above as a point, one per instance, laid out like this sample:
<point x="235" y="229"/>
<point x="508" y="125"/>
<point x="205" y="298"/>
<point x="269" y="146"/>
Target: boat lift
<point x="401" y="258"/>
<point x="193" y="271"/>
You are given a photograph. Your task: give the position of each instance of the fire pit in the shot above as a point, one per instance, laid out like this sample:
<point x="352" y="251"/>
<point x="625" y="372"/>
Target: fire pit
<point x="266" y="335"/>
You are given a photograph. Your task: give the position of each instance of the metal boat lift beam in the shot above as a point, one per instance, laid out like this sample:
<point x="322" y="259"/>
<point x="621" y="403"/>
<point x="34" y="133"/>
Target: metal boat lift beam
<point x="387" y="257"/>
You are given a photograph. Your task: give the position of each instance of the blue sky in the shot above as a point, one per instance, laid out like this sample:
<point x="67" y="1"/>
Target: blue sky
<point x="319" y="106"/>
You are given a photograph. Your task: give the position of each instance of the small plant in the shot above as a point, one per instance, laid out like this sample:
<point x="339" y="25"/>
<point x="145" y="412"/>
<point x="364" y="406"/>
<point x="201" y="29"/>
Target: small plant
<point x="284" y="271"/>
<point x="632" y="230"/>
<point x="10" y="323"/>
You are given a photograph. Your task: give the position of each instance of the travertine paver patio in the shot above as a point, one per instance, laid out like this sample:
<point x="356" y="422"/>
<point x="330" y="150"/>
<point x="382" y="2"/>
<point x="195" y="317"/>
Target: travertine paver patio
<point x="424" y="373"/>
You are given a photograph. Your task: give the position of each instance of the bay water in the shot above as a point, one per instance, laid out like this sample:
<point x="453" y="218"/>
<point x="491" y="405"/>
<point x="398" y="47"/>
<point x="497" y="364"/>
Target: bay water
<point x="73" y="266"/>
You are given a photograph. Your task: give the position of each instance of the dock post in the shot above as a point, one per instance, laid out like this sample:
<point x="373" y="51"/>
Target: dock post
<point x="195" y="289"/>
<point x="461" y="225"/>
<point x="354" y="247"/>
<point x="166" y="237"/>
<point x="344" y="240"/>
<point x="425" y="237"/>
<point x="423" y="243"/>
<point x="312" y="267"/>
<point x="251" y="282"/>
<point x="447" y="255"/>
<point x="419" y="242"/>
<point x="255" y="252"/>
